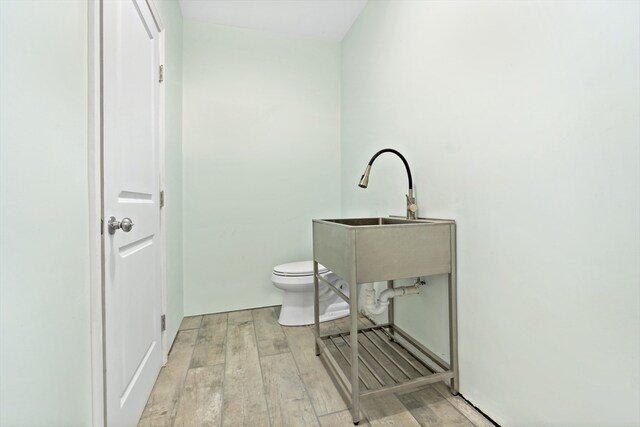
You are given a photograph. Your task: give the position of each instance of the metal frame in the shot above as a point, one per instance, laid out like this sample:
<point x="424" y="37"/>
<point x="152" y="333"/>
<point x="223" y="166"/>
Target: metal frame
<point x="431" y="367"/>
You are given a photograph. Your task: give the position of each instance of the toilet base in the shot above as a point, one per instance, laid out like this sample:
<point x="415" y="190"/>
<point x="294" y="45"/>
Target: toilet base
<point x="292" y="315"/>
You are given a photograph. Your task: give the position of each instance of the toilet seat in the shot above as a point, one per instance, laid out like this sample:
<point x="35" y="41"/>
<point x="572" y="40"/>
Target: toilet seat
<point x="298" y="269"/>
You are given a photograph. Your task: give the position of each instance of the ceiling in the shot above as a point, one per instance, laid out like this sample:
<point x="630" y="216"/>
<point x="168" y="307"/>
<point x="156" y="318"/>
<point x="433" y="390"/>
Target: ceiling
<point x="322" y="19"/>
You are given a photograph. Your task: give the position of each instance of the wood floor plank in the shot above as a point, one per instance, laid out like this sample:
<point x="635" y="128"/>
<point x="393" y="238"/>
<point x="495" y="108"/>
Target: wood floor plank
<point x="244" y="398"/>
<point x="237" y="317"/>
<point x="340" y="419"/>
<point x="431" y="409"/>
<point x="244" y="375"/>
<point x="271" y="339"/>
<point x="201" y="401"/>
<point x="287" y="399"/>
<point x="210" y="345"/>
<point x="192" y="322"/>
<point x="160" y="408"/>
<point x="476" y="418"/>
<point x="323" y="393"/>
<point x="387" y="410"/>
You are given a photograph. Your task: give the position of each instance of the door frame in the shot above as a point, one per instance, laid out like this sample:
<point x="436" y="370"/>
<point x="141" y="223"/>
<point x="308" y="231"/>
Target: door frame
<point x="96" y="214"/>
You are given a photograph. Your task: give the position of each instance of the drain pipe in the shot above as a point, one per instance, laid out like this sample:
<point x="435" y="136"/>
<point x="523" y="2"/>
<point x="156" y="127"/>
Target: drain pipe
<point x="373" y="306"/>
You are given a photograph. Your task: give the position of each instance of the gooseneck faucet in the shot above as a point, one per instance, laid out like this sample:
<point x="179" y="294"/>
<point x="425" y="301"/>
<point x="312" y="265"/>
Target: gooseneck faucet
<point x="412" y="208"/>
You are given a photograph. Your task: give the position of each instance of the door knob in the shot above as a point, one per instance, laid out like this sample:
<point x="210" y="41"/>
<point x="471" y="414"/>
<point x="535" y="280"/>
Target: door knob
<point x="126" y="225"/>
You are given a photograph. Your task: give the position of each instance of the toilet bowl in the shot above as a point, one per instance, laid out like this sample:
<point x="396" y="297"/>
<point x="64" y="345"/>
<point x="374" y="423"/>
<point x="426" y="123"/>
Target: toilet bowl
<point x="296" y="281"/>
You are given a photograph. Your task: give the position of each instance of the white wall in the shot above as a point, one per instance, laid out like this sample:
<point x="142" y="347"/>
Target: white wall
<point x="521" y="121"/>
<point x="172" y="20"/>
<point x="45" y="352"/>
<point x="261" y="159"/>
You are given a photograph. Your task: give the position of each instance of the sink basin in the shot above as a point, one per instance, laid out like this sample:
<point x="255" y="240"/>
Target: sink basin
<point x="362" y="222"/>
<point x="377" y="249"/>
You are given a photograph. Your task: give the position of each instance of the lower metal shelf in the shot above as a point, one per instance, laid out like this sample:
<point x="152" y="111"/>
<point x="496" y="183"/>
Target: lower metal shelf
<point x="386" y="364"/>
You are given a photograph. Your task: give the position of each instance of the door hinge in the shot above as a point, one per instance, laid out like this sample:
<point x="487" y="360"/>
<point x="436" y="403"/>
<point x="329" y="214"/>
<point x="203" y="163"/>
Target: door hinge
<point x="162" y="199"/>
<point x="163" y="323"/>
<point x="161" y="79"/>
<point x="101" y="226"/>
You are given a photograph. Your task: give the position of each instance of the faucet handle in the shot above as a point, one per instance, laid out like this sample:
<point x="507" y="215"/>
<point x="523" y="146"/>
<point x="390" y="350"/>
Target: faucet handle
<point x="412" y="208"/>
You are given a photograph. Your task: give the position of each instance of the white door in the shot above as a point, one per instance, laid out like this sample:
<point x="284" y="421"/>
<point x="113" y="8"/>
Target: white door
<point x="131" y="180"/>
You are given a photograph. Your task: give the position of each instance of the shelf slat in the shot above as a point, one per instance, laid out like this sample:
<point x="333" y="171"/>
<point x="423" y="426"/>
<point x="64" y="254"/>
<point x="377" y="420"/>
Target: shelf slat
<point x="375" y="345"/>
<point x="414" y="383"/>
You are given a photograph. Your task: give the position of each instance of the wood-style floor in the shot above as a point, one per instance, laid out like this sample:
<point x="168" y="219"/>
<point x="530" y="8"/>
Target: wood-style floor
<point x="244" y="369"/>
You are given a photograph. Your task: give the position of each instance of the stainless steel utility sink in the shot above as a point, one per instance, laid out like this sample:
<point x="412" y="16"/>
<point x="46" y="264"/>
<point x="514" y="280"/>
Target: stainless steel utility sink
<point x="377" y="249"/>
<point x="362" y="222"/>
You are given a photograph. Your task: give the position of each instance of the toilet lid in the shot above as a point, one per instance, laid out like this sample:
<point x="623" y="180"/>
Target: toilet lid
<point x="297" y="269"/>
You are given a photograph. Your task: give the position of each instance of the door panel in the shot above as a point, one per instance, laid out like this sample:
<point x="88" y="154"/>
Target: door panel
<point x="132" y="294"/>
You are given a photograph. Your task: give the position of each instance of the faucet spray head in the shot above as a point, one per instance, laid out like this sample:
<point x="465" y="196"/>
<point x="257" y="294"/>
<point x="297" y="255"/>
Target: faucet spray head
<point x="364" y="181"/>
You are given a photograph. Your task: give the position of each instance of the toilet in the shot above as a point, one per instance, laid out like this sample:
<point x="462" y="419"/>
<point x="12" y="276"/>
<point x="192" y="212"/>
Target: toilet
<point x="296" y="281"/>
